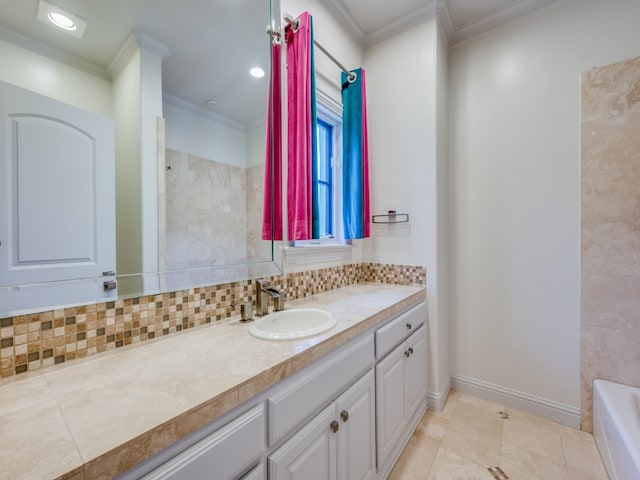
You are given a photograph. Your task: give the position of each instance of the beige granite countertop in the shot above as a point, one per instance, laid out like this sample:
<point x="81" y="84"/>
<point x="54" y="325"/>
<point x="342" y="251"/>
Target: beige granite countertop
<point x="97" y="417"/>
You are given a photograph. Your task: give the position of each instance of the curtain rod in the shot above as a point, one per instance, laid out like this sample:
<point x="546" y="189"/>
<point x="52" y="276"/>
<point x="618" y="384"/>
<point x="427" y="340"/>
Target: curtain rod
<point x="351" y="76"/>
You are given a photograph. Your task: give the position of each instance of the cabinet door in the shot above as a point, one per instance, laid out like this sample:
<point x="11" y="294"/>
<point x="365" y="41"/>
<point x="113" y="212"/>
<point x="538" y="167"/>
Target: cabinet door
<point x="356" y="442"/>
<point x="415" y="371"/>
<point x="257" y="473"/>
<point x="391" y="418"/>
<point x="310" y="454"/>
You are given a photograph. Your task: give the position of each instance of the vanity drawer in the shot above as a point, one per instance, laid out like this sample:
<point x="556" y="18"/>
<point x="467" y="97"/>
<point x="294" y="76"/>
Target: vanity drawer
<point x="227" y="451"/>
<point x="315" y="387"/>
<point x="397" y="330"/>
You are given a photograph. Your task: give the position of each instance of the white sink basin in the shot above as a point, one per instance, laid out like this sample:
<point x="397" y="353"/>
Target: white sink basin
<point x="294" y="323"/>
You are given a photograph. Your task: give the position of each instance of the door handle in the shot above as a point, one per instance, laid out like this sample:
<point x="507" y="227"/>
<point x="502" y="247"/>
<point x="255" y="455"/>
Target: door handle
<point x="335" y="426"/>
<point x="411" y="350"/>
<point x="344" y="415"/>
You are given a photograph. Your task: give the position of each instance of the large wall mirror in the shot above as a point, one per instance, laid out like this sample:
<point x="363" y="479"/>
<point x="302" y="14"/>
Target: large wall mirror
<point x="132" y="147"/>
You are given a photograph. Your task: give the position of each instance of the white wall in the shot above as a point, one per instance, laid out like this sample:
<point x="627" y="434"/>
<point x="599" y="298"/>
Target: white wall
<point x="190" y="133"/>
<point x="406" y="95"/>
<point x="515" y="177"/>
<point x="256" y="146"/>
<point x="45" y="76"/>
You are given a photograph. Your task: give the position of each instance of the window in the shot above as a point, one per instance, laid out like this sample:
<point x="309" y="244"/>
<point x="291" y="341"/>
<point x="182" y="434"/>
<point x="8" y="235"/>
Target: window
<point x="329" y="182"/>
<point x="325" y="183"/>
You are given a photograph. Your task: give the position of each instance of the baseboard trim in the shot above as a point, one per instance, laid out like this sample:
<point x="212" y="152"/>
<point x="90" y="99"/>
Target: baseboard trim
<point x="542" y="407"/>
<point x="436" y="400"/>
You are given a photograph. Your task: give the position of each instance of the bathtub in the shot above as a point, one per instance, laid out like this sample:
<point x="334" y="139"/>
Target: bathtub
<point x="616" y="428"/>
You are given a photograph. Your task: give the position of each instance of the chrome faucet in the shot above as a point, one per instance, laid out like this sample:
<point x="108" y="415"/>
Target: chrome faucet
<point x="262" y="303"/>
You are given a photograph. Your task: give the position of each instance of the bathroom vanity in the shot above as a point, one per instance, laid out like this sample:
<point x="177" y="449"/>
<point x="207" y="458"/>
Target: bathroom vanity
<point x="215" y="400"/>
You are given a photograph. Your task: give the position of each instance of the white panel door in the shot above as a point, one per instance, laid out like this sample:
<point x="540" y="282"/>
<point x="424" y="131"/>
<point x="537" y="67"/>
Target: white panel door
<point x="355" y="410"/>
<point x="391" y="418"/>
<point x="57" y="185"/>
<point x="310" y="454"/>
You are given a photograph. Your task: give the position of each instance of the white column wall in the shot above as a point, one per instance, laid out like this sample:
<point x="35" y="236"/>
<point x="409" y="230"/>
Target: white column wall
<point x="406" y="96"/>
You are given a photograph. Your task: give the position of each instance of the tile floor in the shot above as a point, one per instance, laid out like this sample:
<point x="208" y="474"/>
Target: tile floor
<point x="470" y="435"/>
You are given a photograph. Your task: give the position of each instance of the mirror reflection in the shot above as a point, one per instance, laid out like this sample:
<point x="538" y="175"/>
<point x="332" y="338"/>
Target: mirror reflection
<point x="179" y="92"/>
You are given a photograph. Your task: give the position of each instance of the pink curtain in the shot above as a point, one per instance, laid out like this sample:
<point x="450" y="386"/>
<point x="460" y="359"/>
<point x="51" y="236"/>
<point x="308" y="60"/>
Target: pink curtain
<point x="301" y="128"/>
<point x="272" y="205"/>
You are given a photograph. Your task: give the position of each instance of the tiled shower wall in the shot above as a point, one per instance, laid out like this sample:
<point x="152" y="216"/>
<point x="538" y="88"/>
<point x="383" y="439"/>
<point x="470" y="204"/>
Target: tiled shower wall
<point x="30" y="342"/>
<point x="205" y="200"/>
<point x="610" y="231"/>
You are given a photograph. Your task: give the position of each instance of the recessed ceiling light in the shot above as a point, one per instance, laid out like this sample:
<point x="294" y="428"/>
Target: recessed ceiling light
<point x="211" y="102"/>
<point x="62" y="21"/>
<point x="60" y="18"/>
<point x="257" y="72"/>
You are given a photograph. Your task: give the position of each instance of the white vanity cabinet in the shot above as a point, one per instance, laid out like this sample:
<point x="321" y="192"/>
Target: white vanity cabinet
<point x="400" y="382"/>
<point x="337" y="444"/>
<point x="346" y="416"/>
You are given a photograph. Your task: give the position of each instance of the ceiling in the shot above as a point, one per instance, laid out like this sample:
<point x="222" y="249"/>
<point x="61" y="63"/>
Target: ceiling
<point x="374" y="20"/>
<point x="213" y="43"/>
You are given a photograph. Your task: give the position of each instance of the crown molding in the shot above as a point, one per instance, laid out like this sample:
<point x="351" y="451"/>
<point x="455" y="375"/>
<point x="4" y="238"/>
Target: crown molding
<point x="445" y="22"/>
<point x="367" y="39"/>
<point x="406" y="21"/>
<point x="465" y="32"/>
<point x="185" y="105"/>
<point x="53" y="53"/>
<point x="344" y="16"/>
<point x="441" y="9"/>
<point x="133" y="43"/>
<point x="152" y="45"/>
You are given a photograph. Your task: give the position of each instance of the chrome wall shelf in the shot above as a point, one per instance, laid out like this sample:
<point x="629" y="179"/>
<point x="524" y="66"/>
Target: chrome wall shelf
<point x="391" y="217"/>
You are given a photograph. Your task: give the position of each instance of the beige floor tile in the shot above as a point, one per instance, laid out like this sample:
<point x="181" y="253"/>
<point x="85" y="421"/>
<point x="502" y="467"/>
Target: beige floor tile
<point x="473" y="436"/>
<point x="539" y="440"/>
<point x="577" y="475"/>
<point x="449" y="466"/>
<point x="479" y="447"/>
<point x="581" y="453"/>
<point x="470" y="416"/>
<point x="480" y="402"/>
<point x="449" y="407"/>
<point x="521" y="464"/>
<point x="432" y="427"/>
<point x="416" y="459"/>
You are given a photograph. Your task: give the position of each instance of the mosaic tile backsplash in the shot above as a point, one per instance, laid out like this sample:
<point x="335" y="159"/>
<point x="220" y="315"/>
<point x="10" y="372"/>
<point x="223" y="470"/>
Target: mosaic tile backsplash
<point x="30" y="342"/>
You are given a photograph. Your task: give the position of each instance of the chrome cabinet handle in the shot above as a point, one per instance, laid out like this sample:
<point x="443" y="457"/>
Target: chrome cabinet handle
<point x="344" y="415"/>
